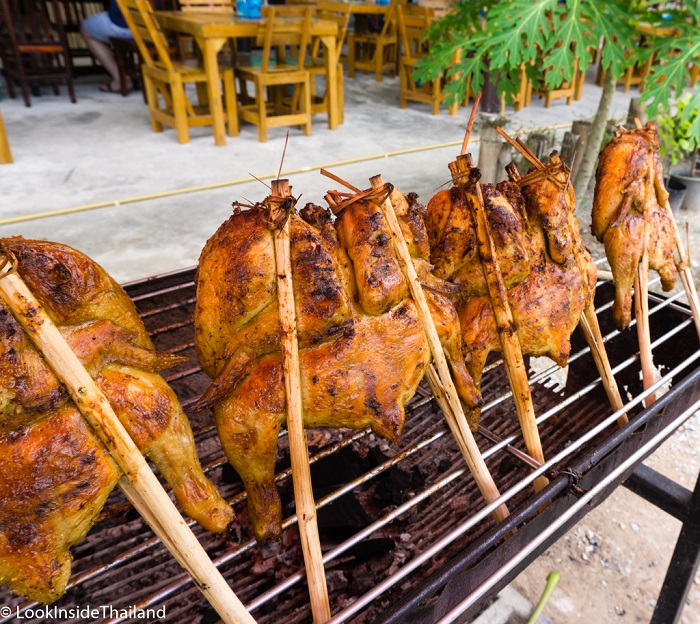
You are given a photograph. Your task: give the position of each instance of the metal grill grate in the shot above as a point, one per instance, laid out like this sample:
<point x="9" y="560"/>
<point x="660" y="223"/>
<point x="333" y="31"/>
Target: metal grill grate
<point x="411" y="511"/>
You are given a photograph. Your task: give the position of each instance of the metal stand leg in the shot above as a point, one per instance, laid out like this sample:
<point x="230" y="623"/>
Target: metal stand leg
<point x="682" y="568"/>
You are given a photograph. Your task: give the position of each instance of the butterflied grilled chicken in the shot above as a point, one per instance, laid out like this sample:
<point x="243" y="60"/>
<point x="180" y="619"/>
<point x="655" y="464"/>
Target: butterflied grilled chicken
<point x="529" y="229"/>
<point x="55" y="475"/>
<point x="362" y="346"/>
<point x="629" y="188"/>
<point x="453" y="245"/>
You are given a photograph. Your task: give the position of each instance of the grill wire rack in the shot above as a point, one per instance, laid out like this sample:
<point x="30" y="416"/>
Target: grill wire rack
<point x="404" y="529"/>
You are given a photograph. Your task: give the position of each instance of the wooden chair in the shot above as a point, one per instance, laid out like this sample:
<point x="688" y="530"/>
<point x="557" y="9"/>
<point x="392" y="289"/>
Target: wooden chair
<point x="209" y="6"/>
<point x="166" y="79"/>
<point x="568" y="90"/>
<point x="375" y="52"/>
<point x="413" y="21"/>
<point x="33" y="48"/>
<point x="128" y="57"/>
<point x="338" y="12"/>
<point x="274" y="74"/>
<point x="294" y="10"/>
<point x="73" y="13"/>
<point x="524" y="95"/>
<point x="5" y="153"/>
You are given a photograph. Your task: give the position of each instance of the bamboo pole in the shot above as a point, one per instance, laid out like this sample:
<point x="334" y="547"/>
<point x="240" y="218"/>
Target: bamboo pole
<point x="683" y="264"/>
<point x="510" y="345"/>
<point x="588" y="323"/>
<point x="685" y="273"/>
<point x="299" y="453"/>
<point x="641" y="298"/>
<point x="140" y="484"/>
<point x="441" y="382"/>
<point x="507" y="329"/>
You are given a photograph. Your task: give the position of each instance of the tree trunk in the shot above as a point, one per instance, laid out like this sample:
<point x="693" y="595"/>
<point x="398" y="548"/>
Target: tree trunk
<point x="595" y="137"/>
<point x="489" y="149"/>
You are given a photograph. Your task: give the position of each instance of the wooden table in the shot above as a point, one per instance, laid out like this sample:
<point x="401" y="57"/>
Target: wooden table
<point x="211" y="30"/>
<point x="366" y="8"/>
<point x="5" y="153"/>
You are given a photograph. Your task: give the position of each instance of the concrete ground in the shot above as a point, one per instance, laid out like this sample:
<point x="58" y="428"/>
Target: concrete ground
<point x="94" y="175"/>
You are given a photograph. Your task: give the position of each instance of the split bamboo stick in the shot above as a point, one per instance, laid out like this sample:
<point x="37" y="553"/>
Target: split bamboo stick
<point x="441" y="384"/>
<point x="685" y="273"/>
<point x="684" y="262"/>
<point x="641" y="298"/>
<point x="510" y="345"/>
<point x="301" y="473"/>
<point x="140" y="484"/>
<point x="588" y="323"/>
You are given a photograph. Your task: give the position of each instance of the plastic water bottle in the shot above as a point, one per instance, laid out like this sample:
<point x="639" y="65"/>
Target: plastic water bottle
<point x="254" y="8"/>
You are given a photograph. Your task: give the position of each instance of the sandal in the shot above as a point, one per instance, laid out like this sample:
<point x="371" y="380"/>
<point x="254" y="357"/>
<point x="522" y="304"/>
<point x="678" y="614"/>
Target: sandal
<point x="107" y="88"/>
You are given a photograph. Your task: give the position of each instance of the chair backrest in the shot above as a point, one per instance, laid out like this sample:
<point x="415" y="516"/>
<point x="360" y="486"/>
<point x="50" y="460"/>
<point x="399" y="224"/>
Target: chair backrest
<point x="147" y="33"/>
<point x="208" y="6"/>
<point x="27" y="24"/>
<point x="277" y="31"/>
<point x="413" y="21"/>
<point x="338" y="12"/>
<point x="389" y="27"/>
<point x="293" y="10"/>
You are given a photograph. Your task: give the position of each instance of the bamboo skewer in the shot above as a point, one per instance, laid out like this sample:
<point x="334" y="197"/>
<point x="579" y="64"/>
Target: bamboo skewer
<point x="139" y="483"/>
<point x="510" y="345"/>
<point x="455" y="417"/>
<point x="685" y="273"/>
<point x="641" y="296"/>
<point x="588" y="323"/>
<point x="441" y="383"/>
<point x="299" y="453"/>
<point x="683" y="263"/>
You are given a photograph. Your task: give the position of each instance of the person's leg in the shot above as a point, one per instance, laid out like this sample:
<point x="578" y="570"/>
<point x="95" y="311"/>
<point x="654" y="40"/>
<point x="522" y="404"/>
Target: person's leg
<point x="97" y="30"/>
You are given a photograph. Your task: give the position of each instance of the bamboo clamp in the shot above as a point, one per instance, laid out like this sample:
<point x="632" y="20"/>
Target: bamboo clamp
<point x="440" y="381"/>
<point x="281" y="204"/>
<point x="588" y="323"/>
<point x="139" y="483"/>
<point x="683" y="262"/>
<point x="641" y="296"/>
<point x="448" y="401"/>
<point x="510" y="345"/>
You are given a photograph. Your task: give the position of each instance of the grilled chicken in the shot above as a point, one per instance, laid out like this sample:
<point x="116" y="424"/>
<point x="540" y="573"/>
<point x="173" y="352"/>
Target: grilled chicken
<point x="362" y="346"/>
<point x="453" y="246"/>
<point x="55" y="475"/>
<point x="536" y="231"/>
<point x="629" y="188"/>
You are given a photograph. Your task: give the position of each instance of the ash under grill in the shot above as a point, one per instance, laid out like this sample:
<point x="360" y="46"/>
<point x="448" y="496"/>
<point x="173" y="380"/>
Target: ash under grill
<point x="397" y="523"/>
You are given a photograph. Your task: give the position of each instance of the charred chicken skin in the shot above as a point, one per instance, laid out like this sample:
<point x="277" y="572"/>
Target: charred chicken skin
<point x="629" y="189"/>
<point x="535" y="235"/>
<point x="362" y="346"/>
<point x="55" y="475"/>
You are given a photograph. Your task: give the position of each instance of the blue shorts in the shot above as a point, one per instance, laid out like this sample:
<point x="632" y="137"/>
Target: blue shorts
<point x="100" y="27"/>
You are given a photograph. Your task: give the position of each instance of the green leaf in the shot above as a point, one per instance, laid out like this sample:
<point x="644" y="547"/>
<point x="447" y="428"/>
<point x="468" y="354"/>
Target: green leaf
<point x="518" y="30"/>
<point x="670" y="76"/>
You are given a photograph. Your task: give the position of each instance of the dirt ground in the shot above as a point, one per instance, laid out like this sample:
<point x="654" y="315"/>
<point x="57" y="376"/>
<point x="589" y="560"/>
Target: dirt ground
<point x="613" y="563"/>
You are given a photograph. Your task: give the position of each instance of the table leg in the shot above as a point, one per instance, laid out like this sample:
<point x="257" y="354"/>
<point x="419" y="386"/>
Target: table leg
<point x="334" y="92"/>
<point x="5" y="153"/>
<point x="210" y="49"/>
